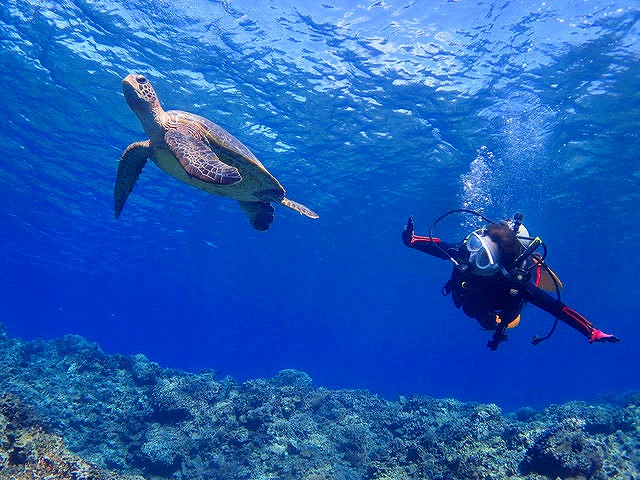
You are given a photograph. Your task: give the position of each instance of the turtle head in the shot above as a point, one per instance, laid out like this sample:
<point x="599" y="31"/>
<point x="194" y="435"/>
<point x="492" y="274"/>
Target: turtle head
<point x="139" y="94"/>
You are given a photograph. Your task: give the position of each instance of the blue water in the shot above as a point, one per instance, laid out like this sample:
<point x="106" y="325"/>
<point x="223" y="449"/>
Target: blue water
<point x="366" y="112"/>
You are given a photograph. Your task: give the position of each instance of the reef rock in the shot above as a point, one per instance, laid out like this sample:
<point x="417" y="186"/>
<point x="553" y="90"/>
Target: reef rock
<point x="27" y="451"/>
<point x="565" y="450"/>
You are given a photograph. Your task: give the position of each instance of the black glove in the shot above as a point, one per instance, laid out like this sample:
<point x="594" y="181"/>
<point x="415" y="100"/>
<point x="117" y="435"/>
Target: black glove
<point x="407" y="231"/>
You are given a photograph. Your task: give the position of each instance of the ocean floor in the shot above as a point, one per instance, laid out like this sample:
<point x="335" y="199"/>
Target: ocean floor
<point x="69" y="411"/>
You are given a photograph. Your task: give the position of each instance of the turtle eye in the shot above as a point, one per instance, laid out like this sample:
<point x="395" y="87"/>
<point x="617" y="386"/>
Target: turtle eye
<point x="141" y="79"/>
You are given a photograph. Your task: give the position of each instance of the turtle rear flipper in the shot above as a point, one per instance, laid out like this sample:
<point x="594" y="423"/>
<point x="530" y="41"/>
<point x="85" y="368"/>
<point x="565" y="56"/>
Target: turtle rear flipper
<point x="131" y="164"/>
<point x="198" y="160"/>
<point x="298" y="207"/>
<point x="260" y="214"/>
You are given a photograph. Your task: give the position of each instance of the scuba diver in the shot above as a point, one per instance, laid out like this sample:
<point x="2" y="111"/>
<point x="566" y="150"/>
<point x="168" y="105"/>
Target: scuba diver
<point x="497" y="270"/>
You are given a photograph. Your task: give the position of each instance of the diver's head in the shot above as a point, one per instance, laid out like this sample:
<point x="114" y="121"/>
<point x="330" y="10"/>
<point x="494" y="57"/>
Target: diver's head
<point x="492" y="248"/>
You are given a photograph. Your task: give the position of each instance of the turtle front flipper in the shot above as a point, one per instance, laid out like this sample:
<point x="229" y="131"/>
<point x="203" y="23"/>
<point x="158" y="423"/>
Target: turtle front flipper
<point x="131" y="164"/>
<point x="298" y="207"/>
<point x="260" y="214"/>
<point x="198" y="160"/>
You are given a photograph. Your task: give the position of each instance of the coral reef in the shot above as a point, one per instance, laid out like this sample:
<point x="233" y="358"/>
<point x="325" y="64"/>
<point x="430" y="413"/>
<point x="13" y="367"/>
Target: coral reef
<point x="129" y="415"/>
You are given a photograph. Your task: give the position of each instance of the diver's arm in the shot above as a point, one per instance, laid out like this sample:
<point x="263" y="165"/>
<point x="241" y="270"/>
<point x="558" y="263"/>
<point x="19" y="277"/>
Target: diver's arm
<point x="546" y="302"/>
<point x="432" y="246"/>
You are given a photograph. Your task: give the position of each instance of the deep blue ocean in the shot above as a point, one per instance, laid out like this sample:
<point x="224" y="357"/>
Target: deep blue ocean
<point x="367" y="112"/>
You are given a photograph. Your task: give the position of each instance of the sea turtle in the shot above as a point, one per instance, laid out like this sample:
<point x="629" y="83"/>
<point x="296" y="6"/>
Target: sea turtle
<point x="200" y="153"/>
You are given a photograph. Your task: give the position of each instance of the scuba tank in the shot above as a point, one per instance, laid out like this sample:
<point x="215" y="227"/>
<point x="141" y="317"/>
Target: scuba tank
<point x="546" y="279"/>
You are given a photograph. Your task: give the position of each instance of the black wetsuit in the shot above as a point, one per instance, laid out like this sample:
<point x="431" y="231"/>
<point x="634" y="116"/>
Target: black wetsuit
<point x="495" y="301"/>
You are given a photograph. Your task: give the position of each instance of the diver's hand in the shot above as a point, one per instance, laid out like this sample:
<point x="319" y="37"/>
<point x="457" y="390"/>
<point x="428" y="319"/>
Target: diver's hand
<point x="407" y="232"/>
<point x="600" y="336"/>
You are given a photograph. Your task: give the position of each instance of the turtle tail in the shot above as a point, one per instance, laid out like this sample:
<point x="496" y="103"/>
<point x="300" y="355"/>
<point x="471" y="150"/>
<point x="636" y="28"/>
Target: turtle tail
<point x="298" y="207"/>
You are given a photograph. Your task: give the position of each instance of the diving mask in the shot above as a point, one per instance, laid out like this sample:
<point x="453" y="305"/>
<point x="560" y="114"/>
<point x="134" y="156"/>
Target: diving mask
<point x="484" y="255"/>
